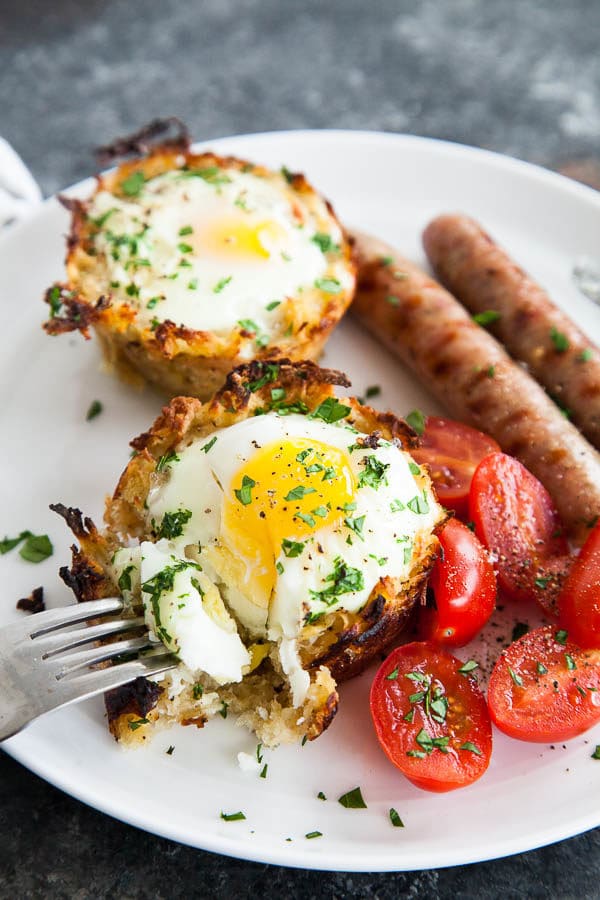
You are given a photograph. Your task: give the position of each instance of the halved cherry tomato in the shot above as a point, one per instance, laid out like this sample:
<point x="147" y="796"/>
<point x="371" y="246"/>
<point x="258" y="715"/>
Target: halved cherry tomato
<point x="545" y="688"/>
<point x="579" y="601"/>
<point x="452" y="451"/>
<point x="464" y="588"/>
<point x="431" y="720"/>
<point x="516" y="520"/>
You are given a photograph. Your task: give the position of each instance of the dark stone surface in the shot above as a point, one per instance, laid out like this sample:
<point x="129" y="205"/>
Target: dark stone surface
<point x="519" y="77"/>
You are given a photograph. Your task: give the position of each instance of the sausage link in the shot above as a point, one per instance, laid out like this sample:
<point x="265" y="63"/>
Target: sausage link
<point x="533" y="330"/>
<point x="473" y="376"/>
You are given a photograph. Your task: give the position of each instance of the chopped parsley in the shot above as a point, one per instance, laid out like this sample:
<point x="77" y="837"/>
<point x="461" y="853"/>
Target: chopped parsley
<point x="353" y="799"/>
<point x="220" y="285"/>
<point x="386" y="260"/>
<point x="210" y="174"/>
<point x="10" y="543"/>
<point x="414" y="468"/>
<point x="124" y="581"/>
<point x="166" y="460"/>
<point x="373" y="474"/>
<point x="321" y="796"/>
<point x="37" y="548"/>
<point x="468" y="745"/>
<point x="157" y="585"/>
<point x="54" y="301"/>
<point x="306" y="518"/>
<point x="561" y="637"/>
<point x="273" y="305"/>
<point x="560" y="340"/>
<point x="244" y="493"/>
<point x="487" y="317"/>
<point x="169" y="750"/>
<point x="95" y="408"/>
<point x="343" y="580"/>
<point x="223" y="710"/>
<point x="233" y="817"/>
<point x="393" y="301"/>
<point x="330" y="410"/>
<point x="328" y="285"/>
<point x="397" y="506"/>
<point x="173" y="522"/>
<point x="468" y="667"/>
<point x="134" y="724"/>
<point x="210" y="444"/>
<point x="570" y="662"/>
<point x="187" y="229"/>
<point x="133" y="184"/>
<point x="313" y="834"/>
<point x="416" y="419"/>
<point x="419" y="504"/>
<point x="596" y="753"/>
<point x="263" y="773"/>
<point x="292" y="549"/>
<point x="372" y="391"/>
<point x="516" y="678"/>
<point x="393" y="675"/>
<point x="395" y="819"/>
<point x="356" y="525"/>
<point x="585" y="355"/>
<point x="299" y="492"/>
<point x="193" y="284"/>
<point x="325" y="242"/>
<point x="270" y="372"/>
<point x="197" y="691"/>
<point x="185" y="248"/>
<point x="541" y="669"/>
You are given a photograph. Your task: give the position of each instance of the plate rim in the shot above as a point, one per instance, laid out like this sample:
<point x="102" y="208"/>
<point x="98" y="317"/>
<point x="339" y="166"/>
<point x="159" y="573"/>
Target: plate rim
<point x="291" y="856"/>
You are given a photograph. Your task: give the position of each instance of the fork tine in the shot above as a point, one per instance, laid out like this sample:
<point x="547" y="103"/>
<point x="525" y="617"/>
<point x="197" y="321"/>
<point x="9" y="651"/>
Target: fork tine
<point x="54" y="643"/>
<point x="95" y="655"/>
<point x="51" y="619"/>
<point x="89" y="684"/>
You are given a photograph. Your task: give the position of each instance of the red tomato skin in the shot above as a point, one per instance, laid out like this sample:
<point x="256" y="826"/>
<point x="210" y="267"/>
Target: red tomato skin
<point x="452" y="451"/>
<point x="549" y="707"/>
<point x="579" y="601"/>
<point x="438" y="772"/>
<point x="516" y="520"/>
<point x="464" y="586"/>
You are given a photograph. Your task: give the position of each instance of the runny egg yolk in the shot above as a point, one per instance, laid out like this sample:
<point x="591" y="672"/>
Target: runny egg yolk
<point x="283" y="495"/>
<point x="234" y="237"/>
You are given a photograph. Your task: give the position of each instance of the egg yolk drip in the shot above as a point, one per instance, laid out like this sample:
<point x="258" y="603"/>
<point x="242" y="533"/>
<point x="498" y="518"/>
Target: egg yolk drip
<point x="278" y="500"/>
<point x="240" y="238"/>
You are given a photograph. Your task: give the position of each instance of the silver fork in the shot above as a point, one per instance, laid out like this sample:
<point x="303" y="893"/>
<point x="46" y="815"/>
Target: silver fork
<point x="39" y="672"/>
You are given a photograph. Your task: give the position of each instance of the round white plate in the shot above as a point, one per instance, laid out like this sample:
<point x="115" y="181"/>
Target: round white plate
<point x="532" y="794"/>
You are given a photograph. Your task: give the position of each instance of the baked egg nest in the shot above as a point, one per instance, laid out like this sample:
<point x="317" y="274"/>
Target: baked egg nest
<point x="276" y="539"/>
<point x="188" y="264"/>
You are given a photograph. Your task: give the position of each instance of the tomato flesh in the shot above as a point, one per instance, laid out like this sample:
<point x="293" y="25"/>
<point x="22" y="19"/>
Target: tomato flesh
<point x="452" y="451"/>
<point x="431" y="720"/>
<point x="464" y="587"/>
<point x="579" y="601"/>
<point x="516" y="520"/>
<point x="545" y="688"/>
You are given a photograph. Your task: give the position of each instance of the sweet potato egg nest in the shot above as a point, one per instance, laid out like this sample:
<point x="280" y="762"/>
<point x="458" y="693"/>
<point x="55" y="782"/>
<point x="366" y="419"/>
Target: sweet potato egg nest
<point x="187" y="265"/>
<point x="276" y="539"/>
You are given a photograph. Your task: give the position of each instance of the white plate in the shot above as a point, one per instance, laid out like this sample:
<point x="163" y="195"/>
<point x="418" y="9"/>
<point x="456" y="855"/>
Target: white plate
<point x="531" y="795"/>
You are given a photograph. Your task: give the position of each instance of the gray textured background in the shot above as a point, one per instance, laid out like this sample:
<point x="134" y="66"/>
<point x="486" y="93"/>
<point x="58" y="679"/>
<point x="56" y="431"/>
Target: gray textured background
<point x="517" y="76"/>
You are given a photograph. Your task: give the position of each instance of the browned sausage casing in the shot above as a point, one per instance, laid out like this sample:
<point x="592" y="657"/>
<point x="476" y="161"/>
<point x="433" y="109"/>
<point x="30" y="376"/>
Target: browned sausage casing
<point x="531" y="327"/>
<point x="474" y="378"/>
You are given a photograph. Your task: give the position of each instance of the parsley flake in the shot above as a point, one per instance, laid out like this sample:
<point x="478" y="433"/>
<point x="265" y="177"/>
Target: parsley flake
<point x="487" y="317"/>
<point x="330" y="410"/>
<point x="417" y="420"/>
<point x="353" y="799"/>
<point x="133" y="184"/>
<point x="220" y="285"/>
<point x="173" y="522"/>
<point x="95" y="408"/>
<point x="244" y="494"/>
<point x="233" y="817"/>
<point x="328" y="285"/>
<point x="560" y="340"/>
<point x="395" y="819"/>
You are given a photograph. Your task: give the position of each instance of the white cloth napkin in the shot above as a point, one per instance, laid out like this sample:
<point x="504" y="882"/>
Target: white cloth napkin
<point x="19" y="192"/>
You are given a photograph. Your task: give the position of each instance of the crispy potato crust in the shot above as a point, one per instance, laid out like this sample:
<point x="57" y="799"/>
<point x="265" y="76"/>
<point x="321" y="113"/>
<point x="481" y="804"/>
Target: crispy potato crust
<point x="175" y="359"/>
<point x="341" y="645"/>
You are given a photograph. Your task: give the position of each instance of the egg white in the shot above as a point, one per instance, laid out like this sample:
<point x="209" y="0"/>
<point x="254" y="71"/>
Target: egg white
<point x="160" y="255"/>
<point x="398" y="519"/>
